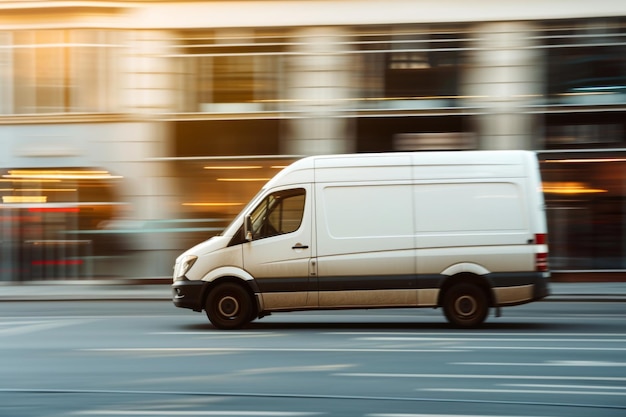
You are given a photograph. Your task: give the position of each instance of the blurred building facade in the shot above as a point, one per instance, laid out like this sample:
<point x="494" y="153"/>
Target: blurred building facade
<point x="132" y="130"/>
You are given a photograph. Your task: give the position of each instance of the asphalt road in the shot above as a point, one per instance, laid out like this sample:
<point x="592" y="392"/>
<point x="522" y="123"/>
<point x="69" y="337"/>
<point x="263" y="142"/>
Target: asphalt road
<point x="104" y="358"/>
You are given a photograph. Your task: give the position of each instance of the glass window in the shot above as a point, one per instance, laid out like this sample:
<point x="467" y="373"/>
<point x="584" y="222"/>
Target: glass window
<point x="58" y="222"/>
<point x="59" y="71"/>
<point x="231" y="72"/>
<point x="233" y="79"/>
<point x="586" y="63"/>
<point x="279" y="213"/>
<point x="410" y="68"/>
<point x="585" y="196"/>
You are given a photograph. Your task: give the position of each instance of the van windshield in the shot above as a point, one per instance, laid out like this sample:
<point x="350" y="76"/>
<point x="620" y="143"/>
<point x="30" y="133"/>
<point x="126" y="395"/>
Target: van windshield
<point x="227" y="230"/>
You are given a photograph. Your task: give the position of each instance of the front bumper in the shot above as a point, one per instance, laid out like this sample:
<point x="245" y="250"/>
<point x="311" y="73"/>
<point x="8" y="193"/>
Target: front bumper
<point x="188" y="294"/>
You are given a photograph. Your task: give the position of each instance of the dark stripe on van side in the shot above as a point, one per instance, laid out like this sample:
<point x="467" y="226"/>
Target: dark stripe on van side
<point x="341" y="283"/>
<point x="370" y="282"/>
<point x="349" y="283"/>
<point x="386" y="282"/>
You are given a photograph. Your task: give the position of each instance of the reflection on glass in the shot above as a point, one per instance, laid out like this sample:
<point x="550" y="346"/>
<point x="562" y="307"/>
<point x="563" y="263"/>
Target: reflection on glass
<point x="585" y="195"/>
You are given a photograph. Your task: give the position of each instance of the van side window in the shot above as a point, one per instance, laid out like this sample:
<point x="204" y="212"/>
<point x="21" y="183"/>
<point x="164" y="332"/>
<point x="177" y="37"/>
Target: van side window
<point x="279" y="213"/>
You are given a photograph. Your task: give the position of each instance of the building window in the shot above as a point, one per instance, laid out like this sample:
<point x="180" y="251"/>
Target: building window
<point x="585" y="195"/>
<point x="58" y="71"/>
<point x="586" y="63"/>
<point x="231" y="72"/>
<point x="411" y="69"/>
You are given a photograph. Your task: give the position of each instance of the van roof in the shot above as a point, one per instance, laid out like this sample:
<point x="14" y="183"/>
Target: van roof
<point x="505" y="163"/>
<point x="487" y="157"/>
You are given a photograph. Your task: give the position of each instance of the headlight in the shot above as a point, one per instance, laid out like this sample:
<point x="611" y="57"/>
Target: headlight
<point x="184" y="266"/>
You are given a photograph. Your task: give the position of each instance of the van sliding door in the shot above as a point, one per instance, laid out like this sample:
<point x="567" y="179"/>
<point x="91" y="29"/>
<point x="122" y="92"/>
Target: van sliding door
<point x="366" y="254"/>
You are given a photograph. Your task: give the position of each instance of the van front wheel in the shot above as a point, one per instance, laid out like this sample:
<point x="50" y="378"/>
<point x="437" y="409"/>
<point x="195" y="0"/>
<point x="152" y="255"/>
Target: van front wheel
<point x="465" y="305"/>
<point x="229" y="306"/>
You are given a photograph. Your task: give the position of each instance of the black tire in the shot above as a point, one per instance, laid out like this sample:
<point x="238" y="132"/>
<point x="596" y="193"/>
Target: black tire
<point x="465" y="305"/>
<point x="229" y="306"/>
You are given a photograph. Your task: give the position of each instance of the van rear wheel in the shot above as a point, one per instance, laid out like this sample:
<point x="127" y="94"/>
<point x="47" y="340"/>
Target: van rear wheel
<point x="465" y="305"/>
<point x="229" y="306"/>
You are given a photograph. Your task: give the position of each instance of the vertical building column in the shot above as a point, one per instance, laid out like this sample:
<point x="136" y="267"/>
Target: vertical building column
<point x="318" y="87"/>
<point x="504" y="76"/>
<point x="6" y="73"/>
<point x="149" y="83"/>
<point x="149" y="86"/>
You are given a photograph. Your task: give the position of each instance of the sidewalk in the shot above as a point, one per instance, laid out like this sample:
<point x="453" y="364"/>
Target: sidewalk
<point x="159" y="290"/>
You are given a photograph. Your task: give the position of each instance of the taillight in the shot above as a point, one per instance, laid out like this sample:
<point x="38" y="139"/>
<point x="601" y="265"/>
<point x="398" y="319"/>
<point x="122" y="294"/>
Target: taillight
<point x="541" y="262"/>
<point x="541" y="258"/>
<point x="541" y="238"/>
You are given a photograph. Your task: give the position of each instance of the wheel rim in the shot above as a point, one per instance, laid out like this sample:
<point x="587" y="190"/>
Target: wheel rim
<point x="466" y="306"/>
<point x="228" y="307"/>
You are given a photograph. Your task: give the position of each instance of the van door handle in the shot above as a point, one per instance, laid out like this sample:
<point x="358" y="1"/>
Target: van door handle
<point x="299" y="246"/>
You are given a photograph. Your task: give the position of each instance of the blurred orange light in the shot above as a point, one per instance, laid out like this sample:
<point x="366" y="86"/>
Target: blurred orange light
<point x="53" y="210"/>
<point x="14" y="199"/>
<point x="583" y="160"/>
<point x="243" y="179"/>
<point x="569" y="188"/>
<point x="212" y="204"/>
<point x="235" y="167"/>
<point x="58" y="174"/>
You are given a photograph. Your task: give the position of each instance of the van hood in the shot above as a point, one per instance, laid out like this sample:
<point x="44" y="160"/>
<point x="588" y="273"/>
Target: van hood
<point x="208" y="246"/>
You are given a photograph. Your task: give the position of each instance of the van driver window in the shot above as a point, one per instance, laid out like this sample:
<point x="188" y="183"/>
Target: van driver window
<point x="279" y="213"/>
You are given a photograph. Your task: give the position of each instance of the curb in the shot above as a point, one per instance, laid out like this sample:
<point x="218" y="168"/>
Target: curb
<point x="586" y="298"/>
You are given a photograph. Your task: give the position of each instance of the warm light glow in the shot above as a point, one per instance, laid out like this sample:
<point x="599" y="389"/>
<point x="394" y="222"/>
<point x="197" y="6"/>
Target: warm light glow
<point x="235" y="167"/>
<point x="58" y="174"/>
<point x="36" y="172"/>
<point x="47" y="190"/>
<point x="569" y="188"/>
<point x="54" y="210"/>
<point x="586" y="160"/>
<point x="24" y="199"/>
<point x="279" y="166"/>
<point x="212" y="204"/>
<point x="243" y="179"/>
<point x="25" y="180"/>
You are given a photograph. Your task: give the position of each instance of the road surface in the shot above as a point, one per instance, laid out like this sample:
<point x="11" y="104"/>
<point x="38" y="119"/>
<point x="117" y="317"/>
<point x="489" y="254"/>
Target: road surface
<point x="105" y="358"/>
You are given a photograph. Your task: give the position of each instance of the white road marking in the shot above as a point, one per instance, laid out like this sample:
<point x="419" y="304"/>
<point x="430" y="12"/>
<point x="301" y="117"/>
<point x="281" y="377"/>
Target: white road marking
<point x="486" y="339"/>
<point x="547" y="363"/>
<point x="103" y="317"/>
<point x="37" y="326"/>
<point x="311" y="368"/>
<point x="522" y="391"/>
<point x="461" y="333"/>
<point x="194" y="413"/>
<point x="218" y="335"/>
<point x="598" y="387"/>
<point x="244" y="372"/>
<point x="432" y="415"/>
<point x="559" y="348"/>
<point x="267" y="349"/>
<point x="485" y="376"/>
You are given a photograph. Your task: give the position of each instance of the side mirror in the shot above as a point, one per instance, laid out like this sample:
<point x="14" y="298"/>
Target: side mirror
<point x="247" y="228"/>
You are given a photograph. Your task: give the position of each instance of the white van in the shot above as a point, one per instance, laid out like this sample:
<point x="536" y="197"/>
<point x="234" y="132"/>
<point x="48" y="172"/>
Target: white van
<point x="464" y="231"/>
